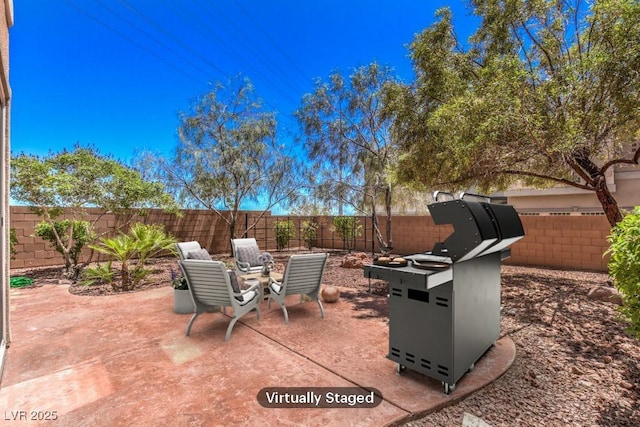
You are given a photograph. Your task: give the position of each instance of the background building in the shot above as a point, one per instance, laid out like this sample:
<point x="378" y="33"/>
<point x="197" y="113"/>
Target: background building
<point x="623" y="182"/>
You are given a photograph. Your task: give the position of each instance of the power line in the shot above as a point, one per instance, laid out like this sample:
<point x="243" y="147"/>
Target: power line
<point x="153" y="38"/>
<point x="247" y="43"/>
<point x="130" y="40"/>
<point x="179" y="54"/>
<point x="206" y="31"/>
<point x="273" y="43"/>
<point x="176" y="39"/>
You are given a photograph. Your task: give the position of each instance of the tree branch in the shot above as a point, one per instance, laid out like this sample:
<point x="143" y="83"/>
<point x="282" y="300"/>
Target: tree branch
<point x="634" y="161"/>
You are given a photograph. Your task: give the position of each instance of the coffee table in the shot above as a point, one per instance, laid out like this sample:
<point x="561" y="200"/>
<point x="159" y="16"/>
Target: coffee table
<point x="264" y="280"/>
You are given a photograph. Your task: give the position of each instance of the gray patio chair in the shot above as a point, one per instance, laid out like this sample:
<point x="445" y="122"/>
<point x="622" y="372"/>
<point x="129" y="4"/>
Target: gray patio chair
<point x="246" y="253"/>
<point x="303" y="275"/>
<point x="184" y="248"/>
<point x="211" y="287"/>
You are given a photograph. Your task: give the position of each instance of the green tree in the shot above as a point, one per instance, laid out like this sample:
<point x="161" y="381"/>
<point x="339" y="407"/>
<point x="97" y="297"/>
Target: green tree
<point x="348" y="138"/>
<point x="73" y="181"/>
<point x="347" y="228"/>
<point x="309" y="232"/>
<point x="544" y="93"/>
<point x="228" y="156"/>
<point x="68" y="237"/>
<point x="285" y="231"/>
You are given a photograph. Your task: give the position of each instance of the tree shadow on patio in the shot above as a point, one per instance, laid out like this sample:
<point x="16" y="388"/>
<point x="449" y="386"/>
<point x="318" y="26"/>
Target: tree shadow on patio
<point x="368" y="305"/>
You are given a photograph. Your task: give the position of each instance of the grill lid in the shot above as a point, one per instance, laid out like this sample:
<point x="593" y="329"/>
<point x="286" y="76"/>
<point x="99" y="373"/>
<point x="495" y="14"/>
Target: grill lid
<point x="479" y="228"/>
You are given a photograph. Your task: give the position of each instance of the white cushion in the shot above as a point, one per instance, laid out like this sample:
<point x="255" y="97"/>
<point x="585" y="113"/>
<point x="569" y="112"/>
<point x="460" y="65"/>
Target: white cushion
<point x="276" y="287"/>
<point x="247" y="297"/>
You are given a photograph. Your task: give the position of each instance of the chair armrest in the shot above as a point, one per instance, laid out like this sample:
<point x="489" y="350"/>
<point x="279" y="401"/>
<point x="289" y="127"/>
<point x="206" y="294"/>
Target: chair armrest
<point x="254" y="287"/>
<point x="275" y="286"/>
<point x="243" y="266"/>
<point x="272" y="280"/>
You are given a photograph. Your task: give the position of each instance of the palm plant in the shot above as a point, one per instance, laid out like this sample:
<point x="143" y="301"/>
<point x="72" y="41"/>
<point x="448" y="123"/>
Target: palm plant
<point x="143" y="242"/>
<point x="151" y="241"/>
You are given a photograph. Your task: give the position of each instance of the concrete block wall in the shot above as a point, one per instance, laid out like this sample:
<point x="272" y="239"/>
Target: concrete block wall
<point x="574" y="242"/>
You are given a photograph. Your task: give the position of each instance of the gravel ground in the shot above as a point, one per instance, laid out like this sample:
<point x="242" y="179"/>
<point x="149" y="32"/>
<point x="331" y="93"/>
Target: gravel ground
<point x="575" y="365"/>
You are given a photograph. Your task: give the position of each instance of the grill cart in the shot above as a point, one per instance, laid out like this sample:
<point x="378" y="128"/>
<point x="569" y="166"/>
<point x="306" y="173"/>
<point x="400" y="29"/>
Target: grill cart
<point x="444" y="305"/>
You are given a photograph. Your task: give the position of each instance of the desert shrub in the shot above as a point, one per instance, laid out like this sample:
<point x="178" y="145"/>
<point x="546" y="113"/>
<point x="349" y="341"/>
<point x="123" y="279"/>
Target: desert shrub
<point x="74" y="236"/>
<point x="624" y="266"/>
<point x="285" y="231"/>
<point x="132" y="251"/>
<point x="309" y="233"/>
<point x="347" y="228"/>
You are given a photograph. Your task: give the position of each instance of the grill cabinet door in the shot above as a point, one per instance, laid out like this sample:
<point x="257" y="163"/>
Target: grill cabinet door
<point x="420" y="329"/>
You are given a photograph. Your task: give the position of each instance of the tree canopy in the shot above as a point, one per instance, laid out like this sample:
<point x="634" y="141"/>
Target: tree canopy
<point x="77" y="180"/>
<point x="348" y="139"/>
<point x="544" y="93"/>
<point x="80" y="179"/>
<point x="227" y="155"/>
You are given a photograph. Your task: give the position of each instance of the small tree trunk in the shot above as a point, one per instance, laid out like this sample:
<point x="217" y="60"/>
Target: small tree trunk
<point x="608" y="202"/>
<point x="387" y="205"/>
<point x="232" y="228"/>
<point x="125" y="276"/>
<point x="69" y="270"/>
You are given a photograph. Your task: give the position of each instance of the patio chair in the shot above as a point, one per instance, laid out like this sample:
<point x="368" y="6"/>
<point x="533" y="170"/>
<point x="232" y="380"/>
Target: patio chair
<point x="191" y="250"/>
<point x="246" y="253"/>
<point x="303" y="275"/>
<point x="211" y="286"/>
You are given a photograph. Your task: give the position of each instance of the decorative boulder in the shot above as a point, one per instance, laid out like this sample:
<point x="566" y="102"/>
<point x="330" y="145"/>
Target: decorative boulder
<point x="355" y="260"/>
<point x="330" y="294"/>
<point x="606" y="294"/>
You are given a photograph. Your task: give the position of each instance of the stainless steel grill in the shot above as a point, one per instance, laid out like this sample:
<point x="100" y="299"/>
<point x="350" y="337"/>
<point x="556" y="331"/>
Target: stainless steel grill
<point x="444" y="305"/>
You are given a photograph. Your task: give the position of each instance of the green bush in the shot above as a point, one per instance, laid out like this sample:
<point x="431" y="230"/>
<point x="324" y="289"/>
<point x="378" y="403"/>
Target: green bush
<point x="142" y="243"/>
<point x="72" y="242"/>
<point x="309" y="233"/>
<point x="347" y="228"/>
<point x="285" y="231"/>
<point x="624" y="266"/>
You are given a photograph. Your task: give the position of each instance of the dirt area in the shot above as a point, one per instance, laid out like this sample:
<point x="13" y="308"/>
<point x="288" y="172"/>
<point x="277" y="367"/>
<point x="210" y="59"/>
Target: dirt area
<point x="575" y="364"/>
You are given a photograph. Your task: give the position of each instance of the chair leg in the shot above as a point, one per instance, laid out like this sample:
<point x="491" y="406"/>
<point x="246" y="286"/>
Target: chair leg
<point x="231" y="324"/>
<point x="258" y="312"/>
<point x="321" y="308"/>
<point x="193" y="318"/>
<point x="284" y="309"/>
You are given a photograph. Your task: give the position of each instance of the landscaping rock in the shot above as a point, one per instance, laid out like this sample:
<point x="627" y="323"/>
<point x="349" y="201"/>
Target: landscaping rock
<point x="330" y="294"/>
<point x="605" y="294"/>
<point x="355" y="260"/>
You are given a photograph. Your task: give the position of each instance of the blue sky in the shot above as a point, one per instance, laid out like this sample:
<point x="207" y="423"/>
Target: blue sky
<point x="115" y="73"/>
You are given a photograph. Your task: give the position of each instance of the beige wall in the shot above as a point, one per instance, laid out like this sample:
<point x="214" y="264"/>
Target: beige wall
<point x="551" y="241"/>
<point x="6" y="21"/>
<point x="625" y="187"/>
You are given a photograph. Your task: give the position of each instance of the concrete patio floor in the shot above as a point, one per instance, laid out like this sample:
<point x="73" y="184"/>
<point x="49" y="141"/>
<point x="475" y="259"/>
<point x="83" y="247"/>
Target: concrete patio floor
<point x="124" y="360"/>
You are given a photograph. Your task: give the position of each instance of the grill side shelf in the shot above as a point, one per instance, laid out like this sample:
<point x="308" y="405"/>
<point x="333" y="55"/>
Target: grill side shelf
<point x="409" y="276"/>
